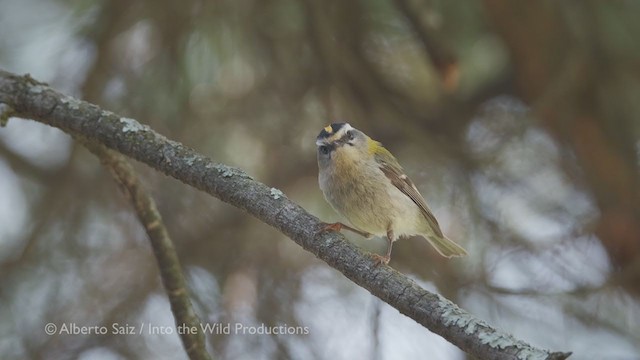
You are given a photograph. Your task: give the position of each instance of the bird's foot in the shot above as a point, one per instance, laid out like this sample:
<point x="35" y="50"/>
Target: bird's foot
<point x="379" y="259"/>
<point x="338" y="226"/>
<point x="332" y="227"/>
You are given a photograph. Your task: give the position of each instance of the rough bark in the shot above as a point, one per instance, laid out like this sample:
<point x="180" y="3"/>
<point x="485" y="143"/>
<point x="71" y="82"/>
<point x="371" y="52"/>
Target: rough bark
<point x="30" y="99"/>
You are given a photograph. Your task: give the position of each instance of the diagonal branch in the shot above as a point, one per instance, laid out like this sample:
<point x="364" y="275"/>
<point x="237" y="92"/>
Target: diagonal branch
<point x="163" y="249"/>
<point x="37" y="101"/>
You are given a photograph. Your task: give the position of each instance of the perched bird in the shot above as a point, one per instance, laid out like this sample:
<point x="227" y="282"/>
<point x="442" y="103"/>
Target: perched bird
<point x="364" y="182"/>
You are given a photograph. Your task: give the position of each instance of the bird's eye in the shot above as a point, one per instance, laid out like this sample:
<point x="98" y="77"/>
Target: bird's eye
<point x="323" y="149"/>
<point x="350" y="135"/>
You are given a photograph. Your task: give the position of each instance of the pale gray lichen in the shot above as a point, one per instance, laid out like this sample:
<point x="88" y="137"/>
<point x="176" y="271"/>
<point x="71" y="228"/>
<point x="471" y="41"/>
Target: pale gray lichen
<point x="276" y="193"/>
<point x="228" y="171"/>
<point x="497" y="340"/>
<point x="72" y="103"/>
<point x="454" y="316"/>
<point x="527" y="353"/>
<point x="191" y="159"/>
<point x="130" y="125"/>
<point x="225" y="170"/>
<point x="173" y="143"/>
<point x="106" y="113"/>
<point x="37" y="89"/>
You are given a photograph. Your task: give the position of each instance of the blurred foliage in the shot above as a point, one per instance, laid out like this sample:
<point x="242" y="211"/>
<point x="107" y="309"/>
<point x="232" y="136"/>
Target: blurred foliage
<point x="517" y="120"/>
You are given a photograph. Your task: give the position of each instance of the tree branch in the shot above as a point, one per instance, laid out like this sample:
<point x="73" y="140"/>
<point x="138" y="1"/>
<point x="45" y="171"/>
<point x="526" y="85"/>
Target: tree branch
<point x="37" y="101"/>
<point x="191" y="332"/>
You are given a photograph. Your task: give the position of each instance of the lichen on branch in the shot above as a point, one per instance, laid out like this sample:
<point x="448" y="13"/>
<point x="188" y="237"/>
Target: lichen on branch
<point x="269" y="205"/>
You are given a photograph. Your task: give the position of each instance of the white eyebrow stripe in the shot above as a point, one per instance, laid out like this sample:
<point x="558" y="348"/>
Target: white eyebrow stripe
<point x="343" y="130"/>
<point x="333" y="137"/>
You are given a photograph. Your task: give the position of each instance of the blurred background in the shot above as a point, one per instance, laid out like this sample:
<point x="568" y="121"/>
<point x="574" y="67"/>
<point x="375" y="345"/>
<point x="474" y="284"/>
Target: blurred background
<point x="518" y="121"/>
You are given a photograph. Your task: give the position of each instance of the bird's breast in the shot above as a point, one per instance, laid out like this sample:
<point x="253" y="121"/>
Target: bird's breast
<point x="361" y="195"/>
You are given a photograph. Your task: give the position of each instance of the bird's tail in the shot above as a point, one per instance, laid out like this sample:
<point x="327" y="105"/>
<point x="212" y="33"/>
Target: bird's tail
<point x="445" y="246"/>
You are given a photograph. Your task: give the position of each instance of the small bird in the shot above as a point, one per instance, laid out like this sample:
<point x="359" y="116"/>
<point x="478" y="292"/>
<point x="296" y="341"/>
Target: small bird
<point x="364" y="182"/>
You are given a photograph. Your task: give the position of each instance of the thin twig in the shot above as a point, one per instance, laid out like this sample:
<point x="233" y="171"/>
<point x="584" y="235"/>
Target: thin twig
<point x="187" y="321"/>
<point x="39" y="102"/>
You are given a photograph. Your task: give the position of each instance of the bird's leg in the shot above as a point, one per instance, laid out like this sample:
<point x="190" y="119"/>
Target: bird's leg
<point x="339" y="226"/>
<point x="385" y="259"/>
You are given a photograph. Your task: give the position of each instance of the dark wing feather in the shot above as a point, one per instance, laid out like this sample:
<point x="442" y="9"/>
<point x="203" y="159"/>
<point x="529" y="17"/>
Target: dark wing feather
<point x="397" y="177"/>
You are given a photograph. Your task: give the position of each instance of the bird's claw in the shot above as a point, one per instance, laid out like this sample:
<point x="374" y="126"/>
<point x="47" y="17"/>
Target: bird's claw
<point x="338" y="226"/>
<point x="330" y="227"/>
<point x="379" y="259"/>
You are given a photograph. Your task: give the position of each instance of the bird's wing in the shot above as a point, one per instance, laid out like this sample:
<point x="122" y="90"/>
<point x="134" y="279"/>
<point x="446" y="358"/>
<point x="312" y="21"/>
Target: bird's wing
<point x="390" y="167"/>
